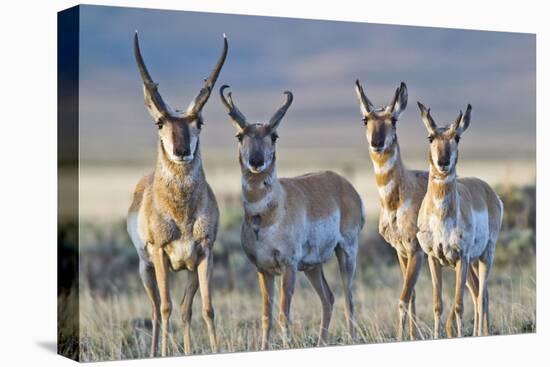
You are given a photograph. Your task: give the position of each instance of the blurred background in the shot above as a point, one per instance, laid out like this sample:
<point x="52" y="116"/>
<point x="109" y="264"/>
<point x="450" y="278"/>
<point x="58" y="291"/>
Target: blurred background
<point x="318" y="61"/>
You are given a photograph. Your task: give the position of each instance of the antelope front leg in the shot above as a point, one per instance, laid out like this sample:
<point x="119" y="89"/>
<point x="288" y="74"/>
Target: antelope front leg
<point x="266" y="286"/>
<point x="160" y="263"/>
<point x="461" y="270"/>
<point x="204" y="271"/>
<point x="288" y="281"/>
<point x="435" y="271"/>
<point x="147" y="274"/>
<point x="414" y="263"/>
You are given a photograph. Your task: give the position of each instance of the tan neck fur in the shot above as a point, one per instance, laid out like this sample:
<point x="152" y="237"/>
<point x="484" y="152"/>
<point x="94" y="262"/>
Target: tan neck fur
<point x="443" y="193"/>
<point x="261" y="195"/>
<point x="390" y="175"/>
<point x="177" y="187"/>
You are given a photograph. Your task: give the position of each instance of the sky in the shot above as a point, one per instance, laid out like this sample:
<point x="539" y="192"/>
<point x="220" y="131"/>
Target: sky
<point x="319" y="62"/>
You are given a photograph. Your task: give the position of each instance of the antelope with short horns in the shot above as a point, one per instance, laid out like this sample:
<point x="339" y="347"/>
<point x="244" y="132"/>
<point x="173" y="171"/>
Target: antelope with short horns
<point x="173" y="219"/>
<point x="401" y="193"/>
<point x="458" y="223"/>
<point x="293" y="224"/>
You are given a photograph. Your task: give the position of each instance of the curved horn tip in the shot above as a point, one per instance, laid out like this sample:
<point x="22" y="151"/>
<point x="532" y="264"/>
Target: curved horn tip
<point x="402" y="85"/>
<point x="420" y="105"/>
<point x="469" y="107"/>
<point x="223" y="87"/>
<point x="224" y="35"/>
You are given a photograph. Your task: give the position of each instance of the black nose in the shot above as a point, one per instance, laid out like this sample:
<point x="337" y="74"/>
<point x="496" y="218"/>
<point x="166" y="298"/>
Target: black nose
<point x="256" y="162"/>
<point x="444" y="163"/>
<point x="179" y="152"/>
<point x="377" y="144"/>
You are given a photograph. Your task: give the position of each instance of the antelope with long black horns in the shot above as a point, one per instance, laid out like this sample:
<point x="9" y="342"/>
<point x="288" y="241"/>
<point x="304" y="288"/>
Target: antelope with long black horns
<point x="293" y="224"/>
<point x="173" y="219"/>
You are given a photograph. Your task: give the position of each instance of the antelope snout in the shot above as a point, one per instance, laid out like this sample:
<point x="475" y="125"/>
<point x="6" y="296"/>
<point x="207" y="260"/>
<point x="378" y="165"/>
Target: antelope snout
<point x="444" y="165"/>
<point x="256" y="163"/>
<point x="183" y="154"/>
<point x="377" y="145"/>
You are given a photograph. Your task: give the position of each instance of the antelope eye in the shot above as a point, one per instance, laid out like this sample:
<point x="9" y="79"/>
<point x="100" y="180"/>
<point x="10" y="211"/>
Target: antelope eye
<point x="274" y="138"/>
<point x="431" y="138"/>
<point x="365" y="120"/>
<point x="159" y="125"/>
<point x="457" y="138"/>
<point x="239" y="137"/>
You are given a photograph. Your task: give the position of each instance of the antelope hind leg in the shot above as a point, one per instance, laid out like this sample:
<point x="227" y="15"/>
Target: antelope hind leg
<point x="346" y="264"/>
<point x="472" y="282"/>
<point x="288" y="282"/>
<point x="319" y="283"/>
<point x="186" y="308"/>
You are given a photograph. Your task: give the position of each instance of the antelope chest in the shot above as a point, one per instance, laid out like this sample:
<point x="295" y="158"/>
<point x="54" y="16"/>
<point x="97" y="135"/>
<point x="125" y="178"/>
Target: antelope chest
<point x="183" y="243"/>
<point x="449" y="239"/>
<point x="398" y="227"/>
<point x="442" y="238"/>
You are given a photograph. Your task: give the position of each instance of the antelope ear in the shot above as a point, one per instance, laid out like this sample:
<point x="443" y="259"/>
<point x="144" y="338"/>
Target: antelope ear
<point x="463" y="121"/>
<point x="364" y="103"/>
<point x="399" y="102"/>
<point x="427" y="119"/>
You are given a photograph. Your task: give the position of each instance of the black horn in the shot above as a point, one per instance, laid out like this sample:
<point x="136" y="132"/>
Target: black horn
<point x="153" y="100"/>
<point x="234" y="112"/>
<point x="277" y="117"/>
<point x="209" y="82"/>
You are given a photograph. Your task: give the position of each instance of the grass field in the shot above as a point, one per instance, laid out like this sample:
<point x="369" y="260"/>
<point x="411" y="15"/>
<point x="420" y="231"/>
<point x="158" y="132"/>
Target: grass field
<point x="115" y="311"/>
<point x="118" y="326"/>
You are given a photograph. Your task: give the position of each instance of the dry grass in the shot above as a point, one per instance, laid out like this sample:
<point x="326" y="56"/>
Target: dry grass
<point x="118" y="326"/>
<point x="115" y="312"/>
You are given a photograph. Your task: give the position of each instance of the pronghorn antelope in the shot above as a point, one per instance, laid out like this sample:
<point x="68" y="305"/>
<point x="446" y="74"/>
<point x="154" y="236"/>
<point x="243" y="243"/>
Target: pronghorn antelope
<point x="458" y="223"/>
<point x="293" y="224"/>
<point x="173" y="219"/>
<point x="401" y="191"/>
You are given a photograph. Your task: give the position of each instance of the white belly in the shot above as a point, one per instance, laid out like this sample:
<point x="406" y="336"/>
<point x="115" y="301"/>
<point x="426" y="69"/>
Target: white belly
<point x="321" y="239"/>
